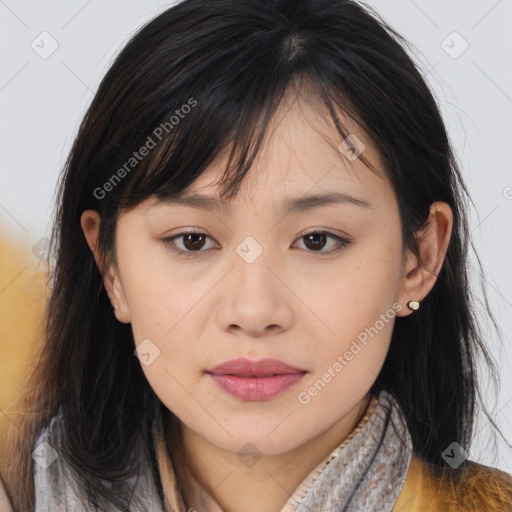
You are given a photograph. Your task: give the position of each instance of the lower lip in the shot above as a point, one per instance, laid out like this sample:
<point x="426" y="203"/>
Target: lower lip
<point x="256" y="388"/>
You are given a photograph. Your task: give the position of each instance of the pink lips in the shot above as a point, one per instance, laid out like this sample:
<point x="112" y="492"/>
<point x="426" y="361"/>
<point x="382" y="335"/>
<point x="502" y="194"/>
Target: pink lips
<point x="255" y="380"/>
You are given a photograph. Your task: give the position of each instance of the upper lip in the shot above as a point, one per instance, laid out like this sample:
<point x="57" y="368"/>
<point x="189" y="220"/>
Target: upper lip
<point x="245" y="367"/>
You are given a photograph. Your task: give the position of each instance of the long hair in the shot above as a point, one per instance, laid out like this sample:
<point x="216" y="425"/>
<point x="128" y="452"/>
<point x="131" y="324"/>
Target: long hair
<point x="203" y="76"/>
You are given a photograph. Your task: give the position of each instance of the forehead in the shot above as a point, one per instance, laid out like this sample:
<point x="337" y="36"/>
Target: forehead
<point x="303" y="152"/>
<point x="302" y="155"/>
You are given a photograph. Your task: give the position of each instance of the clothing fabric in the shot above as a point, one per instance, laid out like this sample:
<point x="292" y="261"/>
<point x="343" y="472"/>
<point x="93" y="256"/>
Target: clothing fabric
<point x="365" y="472"/>
<point x="56" y="489"/>
<point x="471" y="487"/>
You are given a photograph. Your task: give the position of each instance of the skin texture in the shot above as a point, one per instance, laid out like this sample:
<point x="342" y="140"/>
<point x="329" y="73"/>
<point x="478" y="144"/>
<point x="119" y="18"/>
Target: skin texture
<point x="294" y="302"/>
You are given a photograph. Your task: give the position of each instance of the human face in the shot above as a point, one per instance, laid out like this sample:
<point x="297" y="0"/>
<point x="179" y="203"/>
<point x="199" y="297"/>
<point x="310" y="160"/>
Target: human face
<point x="255" y="287"/>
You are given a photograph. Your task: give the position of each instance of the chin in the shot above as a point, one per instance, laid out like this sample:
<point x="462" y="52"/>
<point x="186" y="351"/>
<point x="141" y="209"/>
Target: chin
<point x="255" y="442"/>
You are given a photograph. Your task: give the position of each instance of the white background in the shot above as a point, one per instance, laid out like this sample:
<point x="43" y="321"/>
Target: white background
<point x="43" y="100"/>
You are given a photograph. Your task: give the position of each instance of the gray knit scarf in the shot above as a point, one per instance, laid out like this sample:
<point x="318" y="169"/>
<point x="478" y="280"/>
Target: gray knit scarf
<point x="366" y="473"/>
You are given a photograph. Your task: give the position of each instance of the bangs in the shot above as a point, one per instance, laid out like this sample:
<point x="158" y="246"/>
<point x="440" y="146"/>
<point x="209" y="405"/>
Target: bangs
<point x="198" y="94"/>
<point x="185" y="153"/>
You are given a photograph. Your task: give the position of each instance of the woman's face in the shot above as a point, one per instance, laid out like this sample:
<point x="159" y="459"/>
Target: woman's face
<point x="254" y="286"/>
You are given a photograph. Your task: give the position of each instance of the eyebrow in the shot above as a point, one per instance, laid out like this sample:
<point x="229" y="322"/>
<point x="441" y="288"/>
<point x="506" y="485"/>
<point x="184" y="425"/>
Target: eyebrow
<point x="290" y="205"/>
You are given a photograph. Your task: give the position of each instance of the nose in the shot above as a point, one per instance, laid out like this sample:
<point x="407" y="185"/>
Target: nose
<point x="255" y="301"/>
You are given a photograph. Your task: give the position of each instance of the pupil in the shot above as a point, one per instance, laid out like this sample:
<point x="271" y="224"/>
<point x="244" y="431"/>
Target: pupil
<point x="316" y="245"/>
<point x="194" y="245"/>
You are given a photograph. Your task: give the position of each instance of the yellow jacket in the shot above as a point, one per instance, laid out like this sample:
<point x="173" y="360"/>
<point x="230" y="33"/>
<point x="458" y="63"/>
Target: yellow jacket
<point x="475" y="488"/>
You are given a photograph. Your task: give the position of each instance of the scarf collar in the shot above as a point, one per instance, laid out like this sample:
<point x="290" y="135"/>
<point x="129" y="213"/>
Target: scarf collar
<point x="364" y="472"/>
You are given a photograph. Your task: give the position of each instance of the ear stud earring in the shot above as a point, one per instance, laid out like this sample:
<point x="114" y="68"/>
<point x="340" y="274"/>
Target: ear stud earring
<point x="413" y="305"/>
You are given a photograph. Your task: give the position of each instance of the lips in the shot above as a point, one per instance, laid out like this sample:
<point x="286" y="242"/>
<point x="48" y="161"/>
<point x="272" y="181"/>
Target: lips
<point x="255" y="380"/>
<point x="246" y="368"/>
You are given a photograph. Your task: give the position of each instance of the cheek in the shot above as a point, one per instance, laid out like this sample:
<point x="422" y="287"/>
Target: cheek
<point x="361" y="313"/>
<point x="172" y="368"/>
<point x="358" y="305"/>
<point x="157" y="293"/>
<point x="362" y="288"/>
<point x="161" y="304"/>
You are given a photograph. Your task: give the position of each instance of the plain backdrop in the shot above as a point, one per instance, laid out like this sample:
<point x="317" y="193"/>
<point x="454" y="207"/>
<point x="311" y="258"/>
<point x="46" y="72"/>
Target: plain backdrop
<point x="54" y="53"/>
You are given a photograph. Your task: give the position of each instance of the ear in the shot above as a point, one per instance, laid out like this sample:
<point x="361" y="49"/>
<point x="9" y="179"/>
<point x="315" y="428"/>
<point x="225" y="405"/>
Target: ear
<point x="420" y="270"/>
<point x="90" y="221"/>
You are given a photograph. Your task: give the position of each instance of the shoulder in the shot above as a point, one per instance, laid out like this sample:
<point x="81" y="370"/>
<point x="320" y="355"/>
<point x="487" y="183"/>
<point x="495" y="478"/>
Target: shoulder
<point x="470" y="487"/>
<point x="53" y="485"/>
<point x="56" y="483"/>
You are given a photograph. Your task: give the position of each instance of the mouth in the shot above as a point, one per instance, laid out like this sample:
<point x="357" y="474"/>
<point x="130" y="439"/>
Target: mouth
<point x="255" y="380"/>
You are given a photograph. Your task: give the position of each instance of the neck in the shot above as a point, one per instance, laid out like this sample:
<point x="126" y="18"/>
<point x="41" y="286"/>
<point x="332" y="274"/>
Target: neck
<point x="213" y="480"/>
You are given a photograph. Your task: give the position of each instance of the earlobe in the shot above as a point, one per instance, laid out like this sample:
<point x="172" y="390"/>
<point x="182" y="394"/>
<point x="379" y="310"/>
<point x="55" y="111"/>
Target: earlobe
<point x="421" y="269"/>
<point x="116" y="295"/>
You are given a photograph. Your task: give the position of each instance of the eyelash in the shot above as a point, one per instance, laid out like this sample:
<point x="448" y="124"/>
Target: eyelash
<point x="169" y="242"/>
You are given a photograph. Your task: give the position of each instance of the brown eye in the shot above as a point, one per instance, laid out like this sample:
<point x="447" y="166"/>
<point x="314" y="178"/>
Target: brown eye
<point x="317" y="240"/>
<point x="191" y="243"/>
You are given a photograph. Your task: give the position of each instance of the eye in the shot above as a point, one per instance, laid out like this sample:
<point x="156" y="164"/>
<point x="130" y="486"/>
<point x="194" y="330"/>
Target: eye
<point x="193" y="242"/>
<point x="315" y="241"/>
